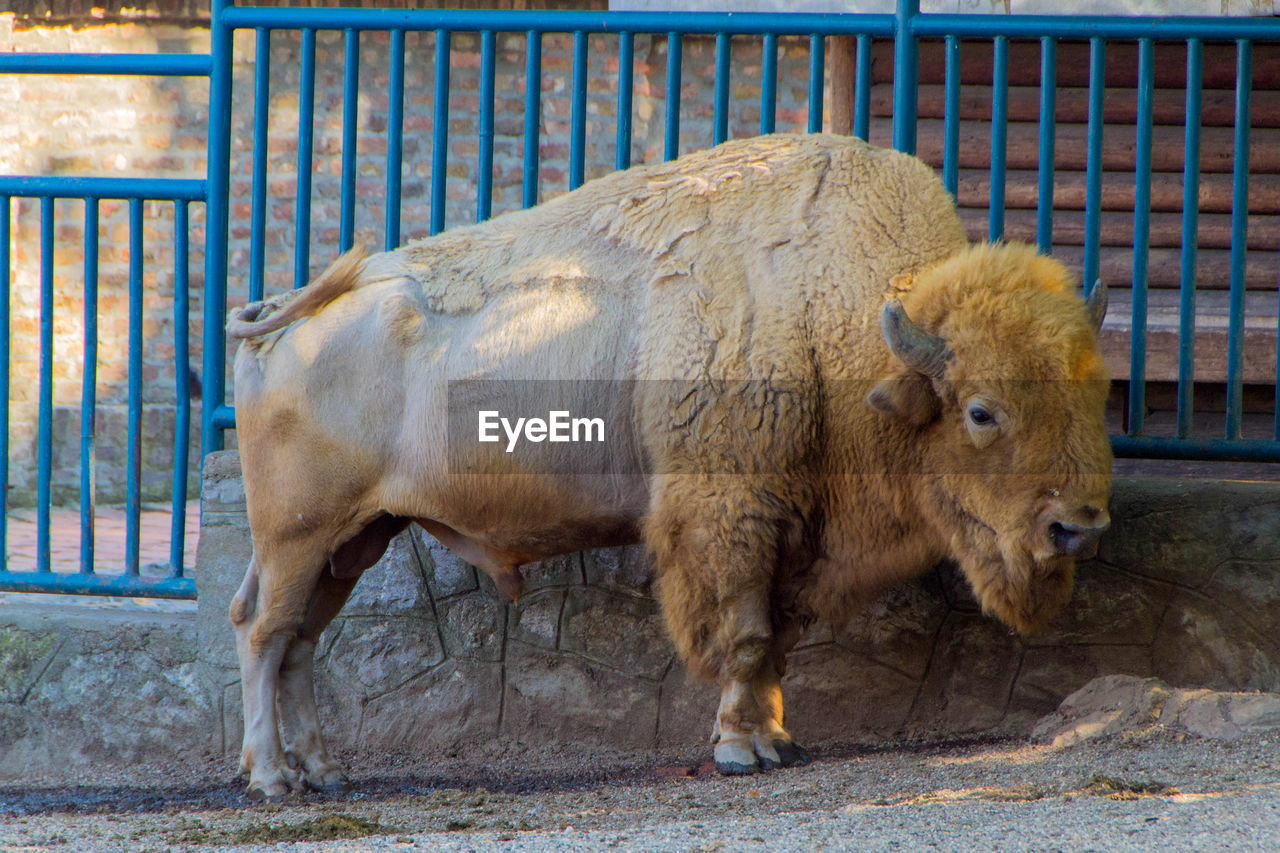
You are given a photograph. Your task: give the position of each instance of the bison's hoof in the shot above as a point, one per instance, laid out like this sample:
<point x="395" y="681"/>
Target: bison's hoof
<point x="330" y="783"/>
<point x="735" y="757"/>
<point x="273" y="793"/>
<point x="274" y="788"/>
<point x="790" y="753"/>
<point x="741" y="755"/>
<point x="733" y="768"/>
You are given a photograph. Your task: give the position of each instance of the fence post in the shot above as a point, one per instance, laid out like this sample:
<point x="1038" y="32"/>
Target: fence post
<point x="1239" y="240"/>
<point x="905" y="72"/>
<point x="216" y="222"/>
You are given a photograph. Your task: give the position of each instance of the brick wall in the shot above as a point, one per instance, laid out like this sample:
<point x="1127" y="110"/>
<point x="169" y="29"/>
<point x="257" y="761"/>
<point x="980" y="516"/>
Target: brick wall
<point x="79" y="13"/>
<point x="69" y="125"/>
<point x="157" y="127"/>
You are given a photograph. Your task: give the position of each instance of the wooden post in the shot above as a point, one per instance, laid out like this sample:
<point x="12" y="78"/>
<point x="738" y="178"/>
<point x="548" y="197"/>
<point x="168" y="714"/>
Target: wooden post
<point x="843" y="53"/>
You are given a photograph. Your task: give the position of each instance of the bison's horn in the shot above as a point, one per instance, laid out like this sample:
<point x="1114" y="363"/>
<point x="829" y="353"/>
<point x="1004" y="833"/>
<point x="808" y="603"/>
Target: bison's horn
<point x="918" y="349"/>
<point x="1096" y="304"/>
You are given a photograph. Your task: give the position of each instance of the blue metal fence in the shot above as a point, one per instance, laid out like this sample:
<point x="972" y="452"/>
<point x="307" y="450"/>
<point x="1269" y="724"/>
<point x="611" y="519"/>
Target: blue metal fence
<point x="181" y="194"/>
<point x="907" y="26"/>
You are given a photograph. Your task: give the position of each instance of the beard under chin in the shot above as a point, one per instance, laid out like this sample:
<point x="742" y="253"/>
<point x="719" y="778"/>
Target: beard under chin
<point x="1021" y="591"/>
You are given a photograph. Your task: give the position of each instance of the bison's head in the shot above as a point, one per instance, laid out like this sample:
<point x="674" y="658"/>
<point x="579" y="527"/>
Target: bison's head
<point x="998" y="375"/>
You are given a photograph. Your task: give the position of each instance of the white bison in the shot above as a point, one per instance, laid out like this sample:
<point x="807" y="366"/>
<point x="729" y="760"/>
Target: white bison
<point x="812" y="388"/>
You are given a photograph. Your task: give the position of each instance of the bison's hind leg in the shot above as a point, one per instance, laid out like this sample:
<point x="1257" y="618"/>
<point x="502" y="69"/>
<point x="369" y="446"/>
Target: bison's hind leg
<point x="267" y="612"/>
<point x="291" y="591"/>
<point x="300" y="733"/>
<point x="244" y="606"/>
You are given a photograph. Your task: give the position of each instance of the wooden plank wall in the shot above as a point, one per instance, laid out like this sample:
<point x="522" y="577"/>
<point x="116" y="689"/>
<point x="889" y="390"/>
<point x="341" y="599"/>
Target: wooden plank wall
<point x="1021" y="194"/>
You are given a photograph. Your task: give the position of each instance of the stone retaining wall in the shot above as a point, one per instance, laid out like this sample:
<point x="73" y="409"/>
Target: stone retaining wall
<point x="82" y="686"/>
<point x="425" y="658"/>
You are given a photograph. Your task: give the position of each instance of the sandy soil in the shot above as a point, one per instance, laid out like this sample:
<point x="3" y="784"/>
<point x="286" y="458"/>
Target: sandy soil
<point x="1152" y="792"/>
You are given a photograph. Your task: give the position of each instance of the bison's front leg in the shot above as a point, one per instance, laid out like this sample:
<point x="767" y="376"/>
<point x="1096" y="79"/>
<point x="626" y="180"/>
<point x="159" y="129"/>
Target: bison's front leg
<point x="748" y="733"/>
<point x="715" y="571"/>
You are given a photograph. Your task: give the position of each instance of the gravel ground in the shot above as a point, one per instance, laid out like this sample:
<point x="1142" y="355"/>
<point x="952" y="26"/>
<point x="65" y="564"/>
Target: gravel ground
<point x="1150" y="793"/>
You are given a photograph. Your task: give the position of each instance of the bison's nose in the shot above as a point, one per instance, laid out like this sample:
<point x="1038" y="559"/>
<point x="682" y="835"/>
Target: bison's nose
<point x="1079" y="540"/>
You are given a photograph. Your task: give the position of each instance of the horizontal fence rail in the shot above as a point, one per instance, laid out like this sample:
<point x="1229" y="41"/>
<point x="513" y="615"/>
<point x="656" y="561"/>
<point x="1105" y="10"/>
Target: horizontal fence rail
<point x="1022" y="116"/>
<point x="115" y="64"/>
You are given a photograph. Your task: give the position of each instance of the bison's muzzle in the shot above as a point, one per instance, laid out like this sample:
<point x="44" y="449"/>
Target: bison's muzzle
<point x="1074" y="539"/>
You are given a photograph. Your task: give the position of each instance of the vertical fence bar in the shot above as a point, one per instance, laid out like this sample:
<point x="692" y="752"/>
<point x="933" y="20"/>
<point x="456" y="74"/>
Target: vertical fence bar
<point x="578" y="112"/>
<point x="862" y="89"/>
<point x="675" y="49"/>
<point x="44" y="428"/>
<point x="1093" y="165"/>
<point x="1048" y="132"/>
<point x="302" y="204"/>
<point x="440" y="132"/>
<point x="350" y="98"/>
<point x="5" y="329"/>
<point x="1190" y="229"/>
<point x="395" y="143"/>
<point x="1239" y="237"/>
<point x="533" y="115"/>
<point x="720" y="108"/>
<point x="951" y="117"/>
<point x="484" y="186"/>
<point x="1141" y="238"/>
<point x="905" y="74"/>
<point x="817" y="73"/>
<point x="215" y="253"/>
<point x="182" y="390"/>
<point x="999" y="137"/>
<point x="89" y="388"/>
<point x="258" y="209"/>
<point x="133" y="470"/>
<point x="626" y="70"/>
<point x="768" y="83"/>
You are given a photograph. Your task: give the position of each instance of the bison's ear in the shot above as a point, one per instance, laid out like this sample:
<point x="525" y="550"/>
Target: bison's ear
<point x="907" y="396"/>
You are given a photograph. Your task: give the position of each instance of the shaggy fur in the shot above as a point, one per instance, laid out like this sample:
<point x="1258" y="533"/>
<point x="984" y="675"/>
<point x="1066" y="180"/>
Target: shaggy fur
<point x="781" y="465"/>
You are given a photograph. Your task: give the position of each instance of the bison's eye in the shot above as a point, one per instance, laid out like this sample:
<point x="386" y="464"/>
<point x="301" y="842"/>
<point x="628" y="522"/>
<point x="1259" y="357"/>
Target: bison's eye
<point x="984" y="421"/>
<point x="979" y="416"/>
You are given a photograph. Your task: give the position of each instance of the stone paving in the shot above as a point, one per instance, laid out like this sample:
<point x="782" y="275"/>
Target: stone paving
<point x="109" y="539"/>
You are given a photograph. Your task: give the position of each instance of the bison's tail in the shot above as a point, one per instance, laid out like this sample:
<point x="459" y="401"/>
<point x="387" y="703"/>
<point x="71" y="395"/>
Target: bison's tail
<point x="261" y="318"/>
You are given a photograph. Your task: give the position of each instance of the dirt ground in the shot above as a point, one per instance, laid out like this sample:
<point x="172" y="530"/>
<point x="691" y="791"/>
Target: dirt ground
<point x="1141" y="793"/>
